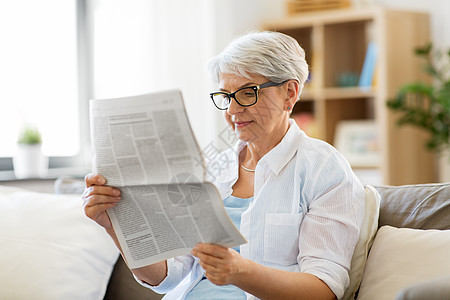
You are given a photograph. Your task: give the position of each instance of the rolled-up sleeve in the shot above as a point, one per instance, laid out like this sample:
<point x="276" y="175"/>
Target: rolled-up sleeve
<point x="177" y="269"/>
<point x="330" y="229"/>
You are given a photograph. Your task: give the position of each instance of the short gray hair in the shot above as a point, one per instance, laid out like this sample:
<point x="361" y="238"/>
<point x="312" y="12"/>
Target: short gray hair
<point x="273" y="55"/>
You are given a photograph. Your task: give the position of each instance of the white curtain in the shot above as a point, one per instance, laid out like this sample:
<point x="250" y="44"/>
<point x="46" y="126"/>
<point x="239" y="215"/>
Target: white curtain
<point x="141" y="46"/>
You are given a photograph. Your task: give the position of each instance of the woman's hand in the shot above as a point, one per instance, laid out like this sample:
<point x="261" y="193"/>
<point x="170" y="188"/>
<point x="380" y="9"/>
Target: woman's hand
<point x="97" y="198"/>
<point x="222" y="265"/>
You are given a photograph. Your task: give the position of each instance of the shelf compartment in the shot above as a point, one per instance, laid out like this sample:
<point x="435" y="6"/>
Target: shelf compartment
<point x="337" y="110"/>
<point x="305" y="115"/>
<point x="345" y="46"/>
<point x="303" y="36"/>
<point x="304" y="106"/>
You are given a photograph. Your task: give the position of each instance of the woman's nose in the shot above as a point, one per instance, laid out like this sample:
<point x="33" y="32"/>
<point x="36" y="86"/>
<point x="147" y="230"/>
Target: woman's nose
<point x="234" y="107"/>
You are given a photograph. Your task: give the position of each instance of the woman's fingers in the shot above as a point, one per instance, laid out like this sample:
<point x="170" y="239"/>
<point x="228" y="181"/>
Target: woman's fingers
<point x="211" y="256"/>
<point x="94" y="179"/>
<point x="101" y="190"/>
<point x="95" y="207"/>
<point x="94" y="212"/>
<point x="97" y="198"/>
<point x="206" y="259"/>
<point x="221" y="264"/>
<point x="98" y="213"/>
<point x="211" y="250"/>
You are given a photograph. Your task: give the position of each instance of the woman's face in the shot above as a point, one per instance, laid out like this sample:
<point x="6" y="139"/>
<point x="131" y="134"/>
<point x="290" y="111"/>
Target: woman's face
<point x="266" y="121"/>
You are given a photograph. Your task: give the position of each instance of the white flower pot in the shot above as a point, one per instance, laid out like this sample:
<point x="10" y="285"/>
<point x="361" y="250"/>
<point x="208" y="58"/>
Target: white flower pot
<point x="29" y="161"/>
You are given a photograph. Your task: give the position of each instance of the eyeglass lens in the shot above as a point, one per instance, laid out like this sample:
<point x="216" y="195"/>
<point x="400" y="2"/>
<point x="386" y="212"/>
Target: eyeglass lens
<point x="244" y="97"/>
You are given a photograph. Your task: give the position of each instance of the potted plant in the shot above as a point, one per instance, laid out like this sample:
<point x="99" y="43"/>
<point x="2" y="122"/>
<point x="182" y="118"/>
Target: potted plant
<point x="29" y="161"/>
<point x="427" y="105"/>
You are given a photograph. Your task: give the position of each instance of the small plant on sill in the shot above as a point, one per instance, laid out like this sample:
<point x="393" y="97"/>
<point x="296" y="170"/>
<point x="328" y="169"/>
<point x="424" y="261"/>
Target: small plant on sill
<point x="28" y="161"/>
<point x="427" y="105"/>
<point x="30" y="135"/>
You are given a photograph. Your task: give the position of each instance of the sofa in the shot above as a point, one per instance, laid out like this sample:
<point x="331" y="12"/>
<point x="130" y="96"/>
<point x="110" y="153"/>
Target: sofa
<point x="50" y="250"/>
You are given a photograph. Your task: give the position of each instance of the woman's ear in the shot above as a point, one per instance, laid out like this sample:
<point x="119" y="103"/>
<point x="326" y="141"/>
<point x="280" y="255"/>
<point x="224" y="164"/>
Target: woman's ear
<point x="292" y="87"/>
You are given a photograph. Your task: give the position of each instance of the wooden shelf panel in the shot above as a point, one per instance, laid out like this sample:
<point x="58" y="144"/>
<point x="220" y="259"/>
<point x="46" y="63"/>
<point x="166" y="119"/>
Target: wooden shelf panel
<point x="337" y="93"/>
<point x="308" y="95"/>
<point x="348" y="93"/>
<point x="324" y="17"/>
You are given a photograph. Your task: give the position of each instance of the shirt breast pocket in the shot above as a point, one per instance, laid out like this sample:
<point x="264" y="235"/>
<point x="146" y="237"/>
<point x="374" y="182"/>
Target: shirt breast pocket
<point x="281" y="233"/>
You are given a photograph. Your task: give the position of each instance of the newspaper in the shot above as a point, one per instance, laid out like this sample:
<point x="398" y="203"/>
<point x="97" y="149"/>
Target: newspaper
<point x="145" y="146"/>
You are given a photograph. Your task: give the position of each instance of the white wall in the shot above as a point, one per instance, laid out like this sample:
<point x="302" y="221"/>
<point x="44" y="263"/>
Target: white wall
<point x="439" y="11"/>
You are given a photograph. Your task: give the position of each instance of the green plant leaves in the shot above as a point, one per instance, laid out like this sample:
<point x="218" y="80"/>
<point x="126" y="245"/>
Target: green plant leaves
<point x="425" y="50"/>
<point x="30" y="135"/>
<point x="427" y="105"/>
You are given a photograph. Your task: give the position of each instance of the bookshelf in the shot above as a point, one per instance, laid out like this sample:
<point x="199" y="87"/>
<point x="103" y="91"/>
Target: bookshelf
<point x="336" y="43"/>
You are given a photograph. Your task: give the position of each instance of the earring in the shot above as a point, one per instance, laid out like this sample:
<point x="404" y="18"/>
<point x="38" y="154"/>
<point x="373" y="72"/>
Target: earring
<point x="288" y="108"/>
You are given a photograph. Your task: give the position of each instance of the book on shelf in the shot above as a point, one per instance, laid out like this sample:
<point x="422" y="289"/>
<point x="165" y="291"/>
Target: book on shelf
<point x="368" y="69"/>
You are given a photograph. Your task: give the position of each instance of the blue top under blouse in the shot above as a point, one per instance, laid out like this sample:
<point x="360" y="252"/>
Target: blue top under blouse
<point x="205" y="289"/>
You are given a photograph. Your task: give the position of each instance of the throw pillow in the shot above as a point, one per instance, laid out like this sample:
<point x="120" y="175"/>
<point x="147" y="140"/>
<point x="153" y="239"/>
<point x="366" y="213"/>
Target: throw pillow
<point x="368" y="230"/>
<point x="403" y="257"/>
<point x="50" y="249"/>
<point x="418" y="206"/>
<point x="435" y="289"/>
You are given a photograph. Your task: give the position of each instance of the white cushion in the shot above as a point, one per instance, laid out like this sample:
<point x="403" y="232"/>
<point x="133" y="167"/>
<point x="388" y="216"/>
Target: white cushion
<point x="403" y="257"/>
<point x="366" y="236"/>
<point x="50" y="249"/>
<point x="434" y="289"/>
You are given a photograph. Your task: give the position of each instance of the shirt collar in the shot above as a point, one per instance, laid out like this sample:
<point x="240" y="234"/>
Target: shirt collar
<point x="276" y="159"/>
<point x="281" y="154"/>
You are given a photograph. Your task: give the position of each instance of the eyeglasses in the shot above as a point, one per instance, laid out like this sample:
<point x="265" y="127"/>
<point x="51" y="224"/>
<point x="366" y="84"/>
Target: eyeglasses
<point x="246" y="96"/>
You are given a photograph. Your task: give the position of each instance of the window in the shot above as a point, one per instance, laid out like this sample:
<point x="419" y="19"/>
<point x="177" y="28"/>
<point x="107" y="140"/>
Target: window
<point x="38" y="74"/>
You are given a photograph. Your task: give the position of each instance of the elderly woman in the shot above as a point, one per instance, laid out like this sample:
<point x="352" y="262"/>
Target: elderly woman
<point x="295" y="198"/>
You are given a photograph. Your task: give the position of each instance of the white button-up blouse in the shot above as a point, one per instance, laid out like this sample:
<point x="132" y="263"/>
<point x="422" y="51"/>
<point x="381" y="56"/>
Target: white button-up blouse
<point x="306" y="215"/>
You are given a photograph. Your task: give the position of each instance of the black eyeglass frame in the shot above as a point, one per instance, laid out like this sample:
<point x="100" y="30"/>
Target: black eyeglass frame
<point x="255" y="88"/>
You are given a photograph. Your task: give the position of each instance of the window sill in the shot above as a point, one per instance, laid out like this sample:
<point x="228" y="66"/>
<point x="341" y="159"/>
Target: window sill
<point x="53" y="173"/>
